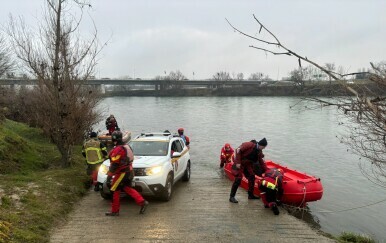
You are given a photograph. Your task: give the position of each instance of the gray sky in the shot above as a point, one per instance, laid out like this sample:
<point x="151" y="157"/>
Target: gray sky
<point x="147" y="38"/>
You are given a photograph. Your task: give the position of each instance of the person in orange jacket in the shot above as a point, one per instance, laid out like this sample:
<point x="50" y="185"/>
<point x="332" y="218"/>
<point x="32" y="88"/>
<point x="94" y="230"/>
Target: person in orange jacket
<point x="248" y="155"/>
<point x="121" y="167"/>
<point x="226" y="155"/>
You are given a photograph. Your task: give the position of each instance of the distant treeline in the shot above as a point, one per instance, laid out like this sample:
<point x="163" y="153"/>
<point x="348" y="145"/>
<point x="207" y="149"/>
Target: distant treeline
<point x="333" y="89"/>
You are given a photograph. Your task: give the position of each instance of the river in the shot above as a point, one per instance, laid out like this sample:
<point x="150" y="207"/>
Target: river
<point x="305" y="140"/>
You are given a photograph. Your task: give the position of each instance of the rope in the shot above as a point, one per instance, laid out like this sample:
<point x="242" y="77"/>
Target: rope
<point x="304" y="197"/>
<point x="302" y="202"/>
<point x="336" y="211"/>
<point x="349" y="209"/>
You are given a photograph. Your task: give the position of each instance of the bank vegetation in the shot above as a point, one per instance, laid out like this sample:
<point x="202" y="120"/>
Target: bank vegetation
<point x="36" y="193"/>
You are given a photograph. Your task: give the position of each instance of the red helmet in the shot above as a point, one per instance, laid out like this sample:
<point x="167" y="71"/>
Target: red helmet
<point x="227" y="146"/>
<point x="180" y="131"/>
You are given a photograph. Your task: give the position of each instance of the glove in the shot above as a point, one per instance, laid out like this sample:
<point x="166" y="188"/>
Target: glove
<point x="108" y="182"/>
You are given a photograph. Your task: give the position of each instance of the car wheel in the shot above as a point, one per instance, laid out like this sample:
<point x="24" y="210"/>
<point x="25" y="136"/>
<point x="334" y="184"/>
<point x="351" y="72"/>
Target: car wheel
<point x="104" y="195"/>
<point x="168" y="190"/>
<point x="187" y="172"/>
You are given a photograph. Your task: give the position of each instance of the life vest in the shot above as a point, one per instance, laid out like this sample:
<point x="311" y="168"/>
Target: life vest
<point x="272" y="179"/>
<point x="124" y="157"/>
<point x="226" y="155"/>
<point x="129" y="154"/>
<point x="93" y="151"/>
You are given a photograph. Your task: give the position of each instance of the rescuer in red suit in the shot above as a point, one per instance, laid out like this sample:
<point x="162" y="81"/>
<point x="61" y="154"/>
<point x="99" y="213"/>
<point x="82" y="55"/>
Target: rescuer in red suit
<point x="226" y="155"/>
<point x="271" y="188"/>
<point x="249" y="155"/>
<point x="121" y="167"/>
<point x="111" y="124"/>
<point x="184" y="137"/>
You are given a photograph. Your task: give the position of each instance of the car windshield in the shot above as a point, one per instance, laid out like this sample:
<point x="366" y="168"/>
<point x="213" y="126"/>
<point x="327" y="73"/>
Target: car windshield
<point x="150" y="148"/>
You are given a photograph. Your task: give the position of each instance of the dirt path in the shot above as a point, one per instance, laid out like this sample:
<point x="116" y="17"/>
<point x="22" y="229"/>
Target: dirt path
<point x="198" y="212"/>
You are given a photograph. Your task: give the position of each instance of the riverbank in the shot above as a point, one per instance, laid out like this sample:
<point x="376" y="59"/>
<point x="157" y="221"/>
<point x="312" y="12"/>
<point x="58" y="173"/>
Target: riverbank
<point x="36" y="194"/>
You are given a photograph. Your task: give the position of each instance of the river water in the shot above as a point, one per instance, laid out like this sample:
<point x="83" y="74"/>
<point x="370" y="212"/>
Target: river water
<point x="303" y="140"/>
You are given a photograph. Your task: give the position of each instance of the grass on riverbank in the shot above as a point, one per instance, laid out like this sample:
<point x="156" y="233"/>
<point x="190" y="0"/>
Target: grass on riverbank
<point x="36" y="194"/>
<point x="355" y="238"/>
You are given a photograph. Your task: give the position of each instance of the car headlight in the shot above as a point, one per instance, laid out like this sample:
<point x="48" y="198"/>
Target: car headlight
<point x="103" y="169"/>
<point x="153" y="170"/>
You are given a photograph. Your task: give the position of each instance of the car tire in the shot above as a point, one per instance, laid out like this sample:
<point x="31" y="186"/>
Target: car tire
<point x="104" y="195"/>
<point x="186" y="176"/>
<point x="168" y="190"/>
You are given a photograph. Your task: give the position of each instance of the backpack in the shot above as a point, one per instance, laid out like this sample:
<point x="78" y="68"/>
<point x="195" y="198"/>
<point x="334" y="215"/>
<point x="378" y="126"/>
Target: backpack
<point x="129" y="160"/>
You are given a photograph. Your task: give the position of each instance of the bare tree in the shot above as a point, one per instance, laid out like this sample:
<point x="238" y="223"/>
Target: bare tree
<point x="259" y="77"/>
<point x="297" y="76"/>
<point x="222" y="76"/>
<point x="331" y="68"/>
<point x="366" y="105"/>
<point x="176" y="76"/>
<point x="256" y="76"/>
<point x="238" y="76"/>
<point x="61" y="63"/>
<point x="6" y="62"/>
<point x="6" y="66"/>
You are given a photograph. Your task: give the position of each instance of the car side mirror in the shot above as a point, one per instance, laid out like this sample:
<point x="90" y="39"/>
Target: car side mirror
<point x="176" y="155"/>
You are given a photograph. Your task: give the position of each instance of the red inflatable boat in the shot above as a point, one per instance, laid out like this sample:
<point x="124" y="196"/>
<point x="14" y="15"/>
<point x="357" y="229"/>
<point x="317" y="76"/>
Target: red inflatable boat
<point x="299" y="188"/>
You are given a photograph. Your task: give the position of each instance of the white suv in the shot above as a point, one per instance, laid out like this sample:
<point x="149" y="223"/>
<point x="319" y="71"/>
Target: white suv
<point x="160" y="160"/>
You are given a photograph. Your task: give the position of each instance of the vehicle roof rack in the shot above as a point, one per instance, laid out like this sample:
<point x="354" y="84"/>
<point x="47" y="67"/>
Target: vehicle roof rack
<point x="147" y="134"/>
<point x="151" y="134"/>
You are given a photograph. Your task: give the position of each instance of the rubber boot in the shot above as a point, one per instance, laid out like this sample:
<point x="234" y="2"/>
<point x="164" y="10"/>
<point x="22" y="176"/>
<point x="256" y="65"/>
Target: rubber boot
<point x="251" y="196"/>
<point x="112" y="214"/>
<point x="235" y="186"/>
<point x="143" y="207"/>
<point x="233" y="200"/>
<point x="221" y="164"/>
<point x="274" y="208"/>
<point x="264" y="199"/>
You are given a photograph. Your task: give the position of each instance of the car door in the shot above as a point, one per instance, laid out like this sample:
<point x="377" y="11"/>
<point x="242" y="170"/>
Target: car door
<point x="183" y="159"/>
<point x="178" y="162"/>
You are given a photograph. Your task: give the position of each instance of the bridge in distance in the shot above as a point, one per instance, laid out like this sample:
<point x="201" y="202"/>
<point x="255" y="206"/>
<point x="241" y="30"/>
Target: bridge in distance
<point x="148" y="83"/>
<point x="139" y="82"/>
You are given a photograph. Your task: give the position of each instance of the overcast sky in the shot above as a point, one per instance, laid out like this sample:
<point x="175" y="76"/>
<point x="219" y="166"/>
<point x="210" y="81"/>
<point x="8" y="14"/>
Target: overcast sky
<point x="148" y="38"/>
